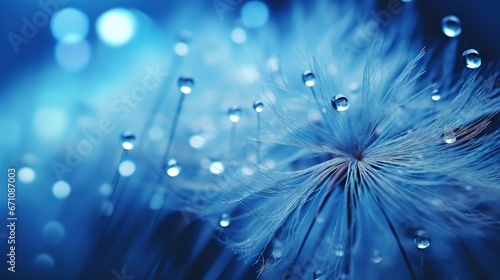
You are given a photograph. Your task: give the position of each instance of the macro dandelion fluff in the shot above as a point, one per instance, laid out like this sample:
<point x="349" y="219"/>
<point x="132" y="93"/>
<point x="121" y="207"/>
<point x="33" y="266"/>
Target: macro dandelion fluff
<point x="258" y="140"/>
<point x="360" y="192"/>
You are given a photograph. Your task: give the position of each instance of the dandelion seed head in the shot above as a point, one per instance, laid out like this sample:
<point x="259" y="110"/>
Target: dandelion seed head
<point x="390" y="160"/>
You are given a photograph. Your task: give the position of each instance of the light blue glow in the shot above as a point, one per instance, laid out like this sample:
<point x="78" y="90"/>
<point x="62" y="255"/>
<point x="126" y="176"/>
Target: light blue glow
<point x="254" y="14"/>
<point x="44" y="261"/>
<point x="53" y="232"/>
<point x="61" y="189"/>
<point x="50" y="122"/>
<point x="116" y="27"/>
<point x="73" y="56"/>
<point x="69" y="25"/>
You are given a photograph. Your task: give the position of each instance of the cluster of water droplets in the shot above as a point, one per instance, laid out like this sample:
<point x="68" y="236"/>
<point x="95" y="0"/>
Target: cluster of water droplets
<point x="452" y="27"/>
<point x="339" y="102"/>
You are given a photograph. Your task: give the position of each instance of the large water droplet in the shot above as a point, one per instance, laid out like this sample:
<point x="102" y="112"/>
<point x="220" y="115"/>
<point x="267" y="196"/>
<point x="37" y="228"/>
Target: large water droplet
<point x="451" y="26"/>
<point x="340" y="103"/>
<point x="185" y="85"/>
<point x="318" y="275"/>
<point x="234" y="114"/>
<point x="436" y="96"/>
<point x="422" y="239"/>
<point x="224" y="220"/>
<point x="308" y="78"/>
<point x="449" y="137"/>
<point x="128" y="140"/>
<point x="173" y="168"/>
<point x="376" y="257"/>
<point x="471" y="59"/>
<point x="258" y="106"/>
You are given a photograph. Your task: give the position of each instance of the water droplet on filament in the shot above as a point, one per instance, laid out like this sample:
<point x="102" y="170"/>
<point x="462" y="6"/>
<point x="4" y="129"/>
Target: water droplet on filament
<point x="234" y="114"/>
<point x="471" y="59"/>
<point x="340" y="103"/>
<point x="422" y="239"/>
<point x="185" y="85"/>
<point x="173" y="168"/>
<point x="258" y="106"/>
<point x="224" y="220"/>
<point x="449" y="137"/>
<point x="308" y="78"/>
<point x="128" y="140"/>
<point x="451" y="26"/>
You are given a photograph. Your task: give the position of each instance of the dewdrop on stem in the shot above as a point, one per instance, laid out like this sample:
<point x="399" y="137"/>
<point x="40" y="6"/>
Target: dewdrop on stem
<point x="185" y="85"/>
<point x="451" y="26"/>
<point x="234" y="114"/>
<point x="173" y="168"/>
<point x="449" y="137"/>
<point x="471" y="59"/>
<point x="258" y="106"/>
<point x="224" y="220"/>
<point x="422" y="239"/>
<point x="436" y="96"/>
<point x="128" y="140"/>
<point x="340" y="103"/>
<point x="308" y="78"/>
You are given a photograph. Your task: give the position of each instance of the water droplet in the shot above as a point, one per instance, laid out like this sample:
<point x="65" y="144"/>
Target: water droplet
<point x="318" y="275"/>
<point x="471" y="59"/>
<point x="185" y="85"/>
<point x="308" y="78"/>
<point x="451" y="26"/>
<point x="436" y="96"/>
<point x="234" y="114"/>
<point x="422" y="239"/>
<point x="449" y="137"/>
<point x="340" y="103"/>
<point x="128" y="140"/>
<point x="173" y="168"/>
<point x="224" y="220"/>
<point x="339" y="251"/>
<point x="376" y="257"/>
<point x="258" y="106"/>
<point x="216" y="167"/>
